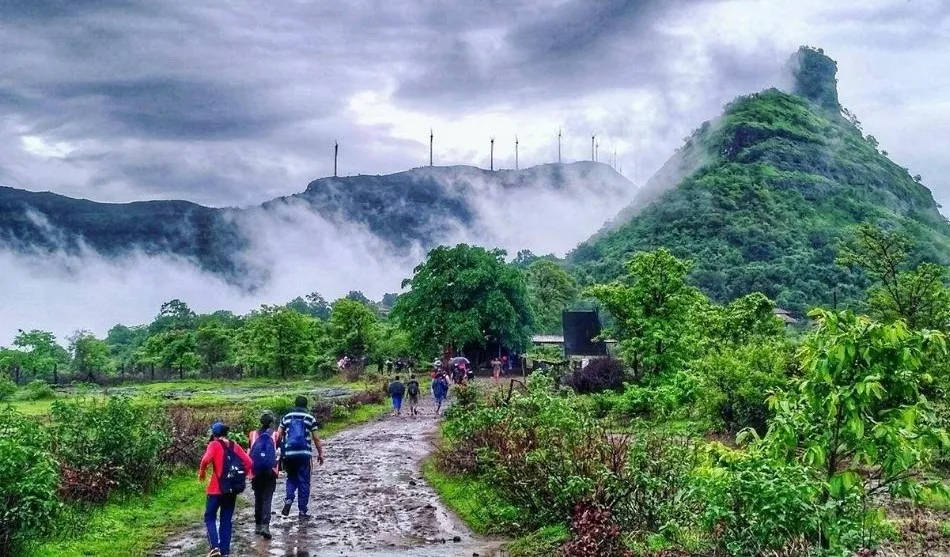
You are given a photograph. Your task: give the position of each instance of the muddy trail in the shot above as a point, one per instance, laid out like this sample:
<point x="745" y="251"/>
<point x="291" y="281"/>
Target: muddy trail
<point x="369" y="499"/>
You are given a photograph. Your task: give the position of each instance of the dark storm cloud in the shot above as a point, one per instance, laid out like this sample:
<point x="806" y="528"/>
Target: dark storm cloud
<point x="555" y="52"/>
<point x="166" y="108"/>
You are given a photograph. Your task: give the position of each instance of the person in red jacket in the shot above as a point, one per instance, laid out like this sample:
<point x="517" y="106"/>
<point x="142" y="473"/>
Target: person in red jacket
<point x="220" y="537"/>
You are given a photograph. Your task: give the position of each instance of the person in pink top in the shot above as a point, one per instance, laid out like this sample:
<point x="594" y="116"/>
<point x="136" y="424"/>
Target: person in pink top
<point x="220" y="448"/>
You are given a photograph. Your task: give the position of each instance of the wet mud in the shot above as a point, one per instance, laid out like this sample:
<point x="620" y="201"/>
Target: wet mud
<point x="368" y="500"/>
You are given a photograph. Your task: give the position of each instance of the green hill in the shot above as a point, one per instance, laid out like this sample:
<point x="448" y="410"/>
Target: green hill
<point x="764" y="196"/>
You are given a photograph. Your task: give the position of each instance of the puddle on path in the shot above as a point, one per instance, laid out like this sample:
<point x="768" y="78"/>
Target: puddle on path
<point x="368" y="500"/>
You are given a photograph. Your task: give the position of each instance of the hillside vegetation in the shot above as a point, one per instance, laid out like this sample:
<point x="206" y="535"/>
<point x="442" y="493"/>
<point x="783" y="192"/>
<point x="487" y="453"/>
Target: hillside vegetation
<point x="778" y="182"/>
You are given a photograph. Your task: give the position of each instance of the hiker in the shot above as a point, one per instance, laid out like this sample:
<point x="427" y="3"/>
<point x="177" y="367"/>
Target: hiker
<point x="298" y="431"/>
<point x="389" y="366"/>
<point x="412" y="389"/>
<point x="396" y="390"/>
<point x="400" y="365"/>
<point x="496" y="370"/>
<point x="265" y="470"/>
<point x="230" y="467"/>
<point x="440" y="390"/>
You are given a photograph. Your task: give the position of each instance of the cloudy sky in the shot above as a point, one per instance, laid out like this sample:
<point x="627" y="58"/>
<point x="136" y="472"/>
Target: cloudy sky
<point x="233" y="103"/>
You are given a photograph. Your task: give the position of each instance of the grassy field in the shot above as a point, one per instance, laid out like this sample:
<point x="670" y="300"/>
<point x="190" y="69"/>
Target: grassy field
<point x="134" y="525"/>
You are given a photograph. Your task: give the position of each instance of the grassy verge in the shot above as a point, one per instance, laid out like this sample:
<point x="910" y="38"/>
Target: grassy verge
<point x="485" y="511"/>
<point x="135" y="525"/>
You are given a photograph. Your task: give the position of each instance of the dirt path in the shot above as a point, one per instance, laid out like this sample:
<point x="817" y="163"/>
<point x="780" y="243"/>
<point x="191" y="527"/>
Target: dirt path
<point x="369" y="499"/>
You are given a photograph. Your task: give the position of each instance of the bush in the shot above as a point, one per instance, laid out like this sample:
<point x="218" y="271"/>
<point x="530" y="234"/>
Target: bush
<point x="754" y="505"/>
<point x="37" y="390"/>
<point x="7" y="388"/>
<point x="601" y="374"/>
<point x="737" y="383"/>
<point x="28" y="504"/>
<point x="120" y="439"/>
<point x="593" y="533"/>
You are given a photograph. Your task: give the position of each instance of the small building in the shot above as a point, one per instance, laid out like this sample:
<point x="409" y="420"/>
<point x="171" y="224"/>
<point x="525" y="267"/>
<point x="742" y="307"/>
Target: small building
<point x="785" y="316"/>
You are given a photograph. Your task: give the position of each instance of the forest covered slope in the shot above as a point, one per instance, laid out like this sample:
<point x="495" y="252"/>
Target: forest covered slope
<point x="768" y="193"/>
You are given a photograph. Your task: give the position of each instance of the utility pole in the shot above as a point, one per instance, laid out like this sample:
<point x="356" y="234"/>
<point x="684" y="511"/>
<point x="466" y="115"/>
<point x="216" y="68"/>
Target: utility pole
<point x="336" y="155"/>
<point x="431" y="138"/>
<point x="559" y="145"/>
<point x="491" y="159"/>
<point x="593" y="155"/>
<point x="516" y="152"/>
<point x="596" y="151"/>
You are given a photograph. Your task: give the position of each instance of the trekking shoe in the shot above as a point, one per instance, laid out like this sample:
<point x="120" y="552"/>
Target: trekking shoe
<point x="286" y="510"/>
<point x="215" y="553"/>
<point x="305" y="516"/>
<point x="257" y="529"/>
<point x="265" y="532"/>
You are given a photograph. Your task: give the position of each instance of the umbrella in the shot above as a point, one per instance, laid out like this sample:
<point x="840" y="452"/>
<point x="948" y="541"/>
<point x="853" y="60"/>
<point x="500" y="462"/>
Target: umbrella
<point x="458" y="359"/>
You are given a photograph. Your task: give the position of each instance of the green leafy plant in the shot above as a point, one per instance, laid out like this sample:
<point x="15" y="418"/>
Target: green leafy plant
<point x="7" y="389"/>
<point x="37" y="390"/>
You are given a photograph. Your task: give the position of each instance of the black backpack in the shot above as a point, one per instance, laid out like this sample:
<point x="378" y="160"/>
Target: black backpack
<point x="233" y="478"/>
<point x="413" y="387"/>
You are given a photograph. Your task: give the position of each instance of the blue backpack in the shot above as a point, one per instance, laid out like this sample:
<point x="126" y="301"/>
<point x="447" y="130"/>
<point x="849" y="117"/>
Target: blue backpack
<point x="297" y="435"/>
<point x="233" y="476"/>
<point x="264" y="453"/>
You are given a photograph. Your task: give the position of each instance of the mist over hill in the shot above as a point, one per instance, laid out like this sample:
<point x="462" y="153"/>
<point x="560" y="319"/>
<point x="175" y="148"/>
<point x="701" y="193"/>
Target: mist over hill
<point x="72" y="262"/>
<point x="761" y="198"/>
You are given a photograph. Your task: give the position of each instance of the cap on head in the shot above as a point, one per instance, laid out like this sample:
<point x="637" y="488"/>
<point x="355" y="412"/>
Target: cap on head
<point x="219" y="429"/>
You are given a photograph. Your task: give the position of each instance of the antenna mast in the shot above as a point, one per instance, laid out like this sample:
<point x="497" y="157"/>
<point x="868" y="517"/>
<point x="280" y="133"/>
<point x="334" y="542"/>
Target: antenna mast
<point x="336" y="155"/>
<point x="491" y="160"/>
<point x="516" y="152"/>
<point x="559" y="145"/>
<point x="431" y="138"/>
<point x="593" y="154"/>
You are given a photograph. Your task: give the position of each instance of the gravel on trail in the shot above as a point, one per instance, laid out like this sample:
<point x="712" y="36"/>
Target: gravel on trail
<point x="368" y="500"/>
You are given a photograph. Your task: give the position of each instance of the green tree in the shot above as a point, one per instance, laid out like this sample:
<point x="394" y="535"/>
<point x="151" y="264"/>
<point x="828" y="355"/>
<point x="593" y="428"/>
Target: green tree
<point x="856" y="416"/>
<point x="464" y="296"/>
<point x="41" y="353"/>
<point x="653" y="310"/>
<point x="174" y="314"/>
<point x="278" y="340"/>
<point x="919" y="296"/>
<point x="313" y="305"/>
<point x="351" y="328"/>
<point x="551" y="290"/>
<point x="89" y="353"/>
<point x="213" y="345"/>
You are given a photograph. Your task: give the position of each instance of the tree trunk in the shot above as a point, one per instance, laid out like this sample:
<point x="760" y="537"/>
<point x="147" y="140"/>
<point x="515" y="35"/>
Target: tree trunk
<point x="181" y="373"/>
<point x="153" y="371"/>
<point x="55" y="374"/>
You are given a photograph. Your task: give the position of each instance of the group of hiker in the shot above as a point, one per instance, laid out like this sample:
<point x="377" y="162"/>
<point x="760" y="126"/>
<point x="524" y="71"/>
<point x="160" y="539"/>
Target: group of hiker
<point x="409" y="390"/>
<point x="290" y="447"/>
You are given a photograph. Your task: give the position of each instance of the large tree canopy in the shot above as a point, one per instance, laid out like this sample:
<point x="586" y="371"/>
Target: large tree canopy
<point x="551" y="290"/>
<point x="465" y="296"/>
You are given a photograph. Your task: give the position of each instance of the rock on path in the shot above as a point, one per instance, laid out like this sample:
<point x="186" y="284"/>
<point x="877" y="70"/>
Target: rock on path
<point x="368" y="500"/>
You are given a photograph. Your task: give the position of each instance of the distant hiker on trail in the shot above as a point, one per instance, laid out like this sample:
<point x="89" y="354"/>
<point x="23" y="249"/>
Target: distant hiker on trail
<point x="440" y="390"/>
<point x="264" y="480"/>
<point x="400" y="365"/>
<point x="230" y="467"/>
<point x="298" y="431"/>
<point x="412" y="389"/>
<point x="496" y="370"/>
<point x="389" y="366"/>
<point x="396" y="391"/>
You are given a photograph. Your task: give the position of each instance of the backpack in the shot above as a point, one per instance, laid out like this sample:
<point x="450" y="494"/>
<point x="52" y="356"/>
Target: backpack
<point x="233" y="476"/>
<point x="264" y="454"/>
<point x="413" y="387"/>
<point x="297" y="435"/>
<point x="397" y="389"/>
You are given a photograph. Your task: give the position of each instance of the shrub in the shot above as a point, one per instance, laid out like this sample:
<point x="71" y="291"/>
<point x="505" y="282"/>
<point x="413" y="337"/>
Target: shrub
<point x="28" y="504"/>
<point x="322" y="411"/>
<point x="27" y="493"/>
<point x="737" y="383"/>
<point x="601" y="374"/>
<point x="188" y="430"/>
<point x="37" y="390"/>
<point x="120" y="437"/>
<point x="754" y="505"/>
<point x="7" y="388"/>
<point x="593" y="533"/>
